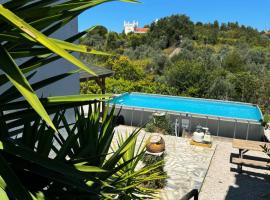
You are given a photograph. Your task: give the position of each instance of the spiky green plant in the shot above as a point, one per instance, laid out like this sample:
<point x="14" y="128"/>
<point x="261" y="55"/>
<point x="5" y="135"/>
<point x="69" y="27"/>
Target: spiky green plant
<point x="131" y="179"/>
<point x="25" y="26"/>
<point x="76" y="163"/>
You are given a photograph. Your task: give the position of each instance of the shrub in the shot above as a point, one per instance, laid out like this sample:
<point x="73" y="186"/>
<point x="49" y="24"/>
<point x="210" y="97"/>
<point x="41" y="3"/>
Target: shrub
<point x="150" y="160"/>
<point x="159" y="125"/>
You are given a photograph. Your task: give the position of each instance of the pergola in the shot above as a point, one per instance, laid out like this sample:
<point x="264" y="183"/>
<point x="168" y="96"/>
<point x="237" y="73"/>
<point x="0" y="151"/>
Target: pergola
<point x="101" y="72"/>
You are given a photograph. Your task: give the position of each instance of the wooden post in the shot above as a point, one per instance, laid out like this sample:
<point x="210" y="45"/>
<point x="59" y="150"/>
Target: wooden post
<point x="103" y="91"/>
<point x="102" y="84"/>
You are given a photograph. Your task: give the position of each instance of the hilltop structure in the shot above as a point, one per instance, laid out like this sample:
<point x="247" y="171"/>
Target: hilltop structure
<point x="267" y="33"/>
<point x="133" y="27"/>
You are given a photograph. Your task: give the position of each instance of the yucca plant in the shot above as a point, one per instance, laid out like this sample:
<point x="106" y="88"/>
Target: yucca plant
<point x="79" y="162"/>
<point x="26" y="36"/>
<point x="123" y="177"/>
<point x="130" y="180"/>
<point x="42" y="154"/>
<point x="25" y="27"/>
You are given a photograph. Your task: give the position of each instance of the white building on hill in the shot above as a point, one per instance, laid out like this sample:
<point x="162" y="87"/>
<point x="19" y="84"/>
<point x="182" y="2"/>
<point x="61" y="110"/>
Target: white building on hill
<point x="132" y="27"/>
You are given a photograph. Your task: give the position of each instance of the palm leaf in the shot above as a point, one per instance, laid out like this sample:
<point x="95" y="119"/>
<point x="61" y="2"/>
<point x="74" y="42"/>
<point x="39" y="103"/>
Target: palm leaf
<point x="41" y="38"/>
<point x="76" y="98"/>
<point x="38" y="61"/>
<point x="15" y="75"/>
<point x="78" y="48"/>
<point x="3" y="194"/>
<point x="84" y="168"/>
<point x="56" y="166"/>
<point x="11" y="94"/>
<point x="12" y="180"/>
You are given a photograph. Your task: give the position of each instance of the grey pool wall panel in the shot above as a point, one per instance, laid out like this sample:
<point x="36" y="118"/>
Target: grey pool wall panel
<point x="218" y="126"/>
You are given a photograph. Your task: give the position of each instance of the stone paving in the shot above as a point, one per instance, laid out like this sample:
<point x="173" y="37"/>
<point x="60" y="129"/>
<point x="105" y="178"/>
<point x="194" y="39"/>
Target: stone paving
<point x="186" y="165"/>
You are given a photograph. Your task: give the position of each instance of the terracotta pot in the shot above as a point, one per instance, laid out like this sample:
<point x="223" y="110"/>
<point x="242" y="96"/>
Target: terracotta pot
<point x="156" y="144"/>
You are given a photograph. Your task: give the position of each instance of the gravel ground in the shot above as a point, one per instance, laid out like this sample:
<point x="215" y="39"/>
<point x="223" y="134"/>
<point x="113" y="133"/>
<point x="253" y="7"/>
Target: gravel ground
<point x="222" y="182"/>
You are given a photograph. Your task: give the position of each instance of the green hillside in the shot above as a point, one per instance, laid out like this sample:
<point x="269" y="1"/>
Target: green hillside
<point x="180" y="57"/>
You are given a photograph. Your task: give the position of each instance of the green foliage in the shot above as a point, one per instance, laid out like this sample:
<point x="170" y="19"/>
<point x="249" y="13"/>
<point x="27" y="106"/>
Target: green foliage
<point x="188" y="77"/>
<point x="25" y="30"/>
<point x="212" y="60"/>
<point x="233" y="62"/>
<point x="159" y="125"/>
<point x="156" y="58"/>
<point x="222" y="86"/>
<point x="133" y="184"/>
<point x="125" y="69"/>
<point x="266" y="150"/>
<point x="172" y="28"/>
<point x="77" y="160"/>
<point x="150" y="160"/>
<point x="135" y="40"/>
<point x="266" y="119"/>
<point x="118" y="86"/>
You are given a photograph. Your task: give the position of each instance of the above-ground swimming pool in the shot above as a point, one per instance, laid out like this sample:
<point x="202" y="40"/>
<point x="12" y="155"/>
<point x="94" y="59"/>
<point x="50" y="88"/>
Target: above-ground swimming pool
<point x="190" y="105"/>
<point x="224" y="118"/>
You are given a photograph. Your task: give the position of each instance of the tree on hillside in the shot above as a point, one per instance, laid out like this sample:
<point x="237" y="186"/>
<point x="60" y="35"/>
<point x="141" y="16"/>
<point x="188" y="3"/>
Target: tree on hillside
<point x="134" y="40"/>
<point x="99" y="30"/>
<point x="216" y="24"/>
<point x="221" y="86"/>
<point x="233" y="62"/>
<point x="156" y="56"/>
<point x="113" y="41"/>
<point x="174" y="27"/>
<point x="95" y="37"/>
<point x="187" y="77"/>
<point x="124" y="68"/>
<point x="246" y="86"/>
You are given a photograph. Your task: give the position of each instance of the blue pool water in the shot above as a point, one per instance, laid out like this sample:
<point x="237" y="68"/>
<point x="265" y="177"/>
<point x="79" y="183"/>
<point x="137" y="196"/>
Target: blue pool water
<point x="190" y="105"/>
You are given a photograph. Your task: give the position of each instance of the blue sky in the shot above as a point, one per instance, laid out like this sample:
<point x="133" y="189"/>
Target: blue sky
<point x="255" y="13"/>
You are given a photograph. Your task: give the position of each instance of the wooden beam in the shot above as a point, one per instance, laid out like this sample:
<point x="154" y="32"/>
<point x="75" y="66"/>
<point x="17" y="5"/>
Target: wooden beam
<point x="103" y="85"/>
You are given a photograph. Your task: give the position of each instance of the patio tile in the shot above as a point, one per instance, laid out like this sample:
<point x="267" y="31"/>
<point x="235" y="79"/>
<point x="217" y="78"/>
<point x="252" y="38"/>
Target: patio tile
<point x="185" y="165"/>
